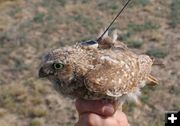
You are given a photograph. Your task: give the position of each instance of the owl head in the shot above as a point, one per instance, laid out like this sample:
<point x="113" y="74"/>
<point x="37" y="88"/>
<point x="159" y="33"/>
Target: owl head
<point x="55" y="68"/>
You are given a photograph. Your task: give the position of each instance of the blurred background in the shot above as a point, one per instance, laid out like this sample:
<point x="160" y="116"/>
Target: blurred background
<point x="28" y="28"/>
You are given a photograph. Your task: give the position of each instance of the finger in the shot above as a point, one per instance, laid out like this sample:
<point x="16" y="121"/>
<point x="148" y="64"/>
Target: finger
<point x="94" y="106"/>
<point x="91" y="119"/>
<point x="121" y="118"/>
<point x="118" y="119"/>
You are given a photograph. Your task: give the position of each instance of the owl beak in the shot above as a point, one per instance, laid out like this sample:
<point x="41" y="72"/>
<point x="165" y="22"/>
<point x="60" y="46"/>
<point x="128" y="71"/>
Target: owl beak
<point x="42" y="74"/>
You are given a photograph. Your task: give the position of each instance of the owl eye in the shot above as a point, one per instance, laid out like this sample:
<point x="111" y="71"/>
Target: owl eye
<point x="58" y="65"/>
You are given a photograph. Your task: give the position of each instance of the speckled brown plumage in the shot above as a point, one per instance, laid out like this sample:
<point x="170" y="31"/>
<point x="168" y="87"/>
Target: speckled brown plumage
<point x="104" y="70"/>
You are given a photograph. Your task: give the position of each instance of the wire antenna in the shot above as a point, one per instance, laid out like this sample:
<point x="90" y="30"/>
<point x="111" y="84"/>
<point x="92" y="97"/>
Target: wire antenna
<point x="99" y="39"/>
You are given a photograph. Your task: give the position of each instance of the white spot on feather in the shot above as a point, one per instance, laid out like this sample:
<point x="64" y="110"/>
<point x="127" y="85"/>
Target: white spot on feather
<point x="120" y="81"/>
<point x="113" y="94"/>
<point x="142" y="84"/>
<point x="107" y="58"/>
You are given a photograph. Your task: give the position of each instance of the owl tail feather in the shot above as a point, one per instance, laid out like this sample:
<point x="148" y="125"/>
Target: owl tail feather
<point x="153" y="81"/>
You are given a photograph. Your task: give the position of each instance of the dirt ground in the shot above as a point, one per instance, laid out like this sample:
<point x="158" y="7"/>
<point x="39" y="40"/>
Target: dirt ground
<point x="28" y="28"/>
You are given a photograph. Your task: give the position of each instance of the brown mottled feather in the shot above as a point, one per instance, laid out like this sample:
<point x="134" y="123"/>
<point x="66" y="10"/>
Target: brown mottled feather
<point x="106" y="71"/>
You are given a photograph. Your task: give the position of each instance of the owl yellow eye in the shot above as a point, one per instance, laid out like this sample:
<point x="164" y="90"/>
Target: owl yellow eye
<point x="58" y="65"/>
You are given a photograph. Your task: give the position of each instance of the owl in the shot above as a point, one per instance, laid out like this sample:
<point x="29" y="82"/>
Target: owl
<point x="103" y="70"/>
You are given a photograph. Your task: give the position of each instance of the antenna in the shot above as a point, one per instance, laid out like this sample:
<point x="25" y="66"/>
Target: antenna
<point x="99" y="39"/>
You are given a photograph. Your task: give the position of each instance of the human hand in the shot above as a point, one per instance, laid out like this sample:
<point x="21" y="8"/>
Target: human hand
<point x="97" y="113"/>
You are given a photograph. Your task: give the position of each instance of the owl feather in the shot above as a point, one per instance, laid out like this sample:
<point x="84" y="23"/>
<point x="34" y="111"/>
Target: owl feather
<point x="96" y="71"/>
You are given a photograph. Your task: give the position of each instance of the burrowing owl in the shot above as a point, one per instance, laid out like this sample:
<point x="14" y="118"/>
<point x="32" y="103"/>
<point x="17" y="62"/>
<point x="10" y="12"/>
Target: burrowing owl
<point x="90" y="70"/>
<point x="102" y="69"/>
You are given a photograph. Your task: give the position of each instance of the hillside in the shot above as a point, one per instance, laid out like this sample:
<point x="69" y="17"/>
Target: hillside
<point x="28" y="28"/>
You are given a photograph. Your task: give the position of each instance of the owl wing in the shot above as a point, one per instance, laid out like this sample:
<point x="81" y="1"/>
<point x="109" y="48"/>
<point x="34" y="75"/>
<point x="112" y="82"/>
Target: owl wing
<point x="114" y="75"/>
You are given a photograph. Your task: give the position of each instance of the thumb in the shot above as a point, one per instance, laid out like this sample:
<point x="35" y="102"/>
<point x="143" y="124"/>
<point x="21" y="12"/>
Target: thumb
<point x="94" y="106"/>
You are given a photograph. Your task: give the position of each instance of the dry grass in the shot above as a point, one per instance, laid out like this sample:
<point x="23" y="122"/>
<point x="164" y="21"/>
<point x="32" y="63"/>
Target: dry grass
<point x="30" y="28"/>
<point x="37" y="122"/>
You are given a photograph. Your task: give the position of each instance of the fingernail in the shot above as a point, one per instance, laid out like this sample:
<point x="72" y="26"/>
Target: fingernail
<point x="108" y="110"/>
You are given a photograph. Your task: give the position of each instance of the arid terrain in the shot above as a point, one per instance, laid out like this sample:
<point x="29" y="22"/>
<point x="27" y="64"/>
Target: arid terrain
<point x="28" y="28"/>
